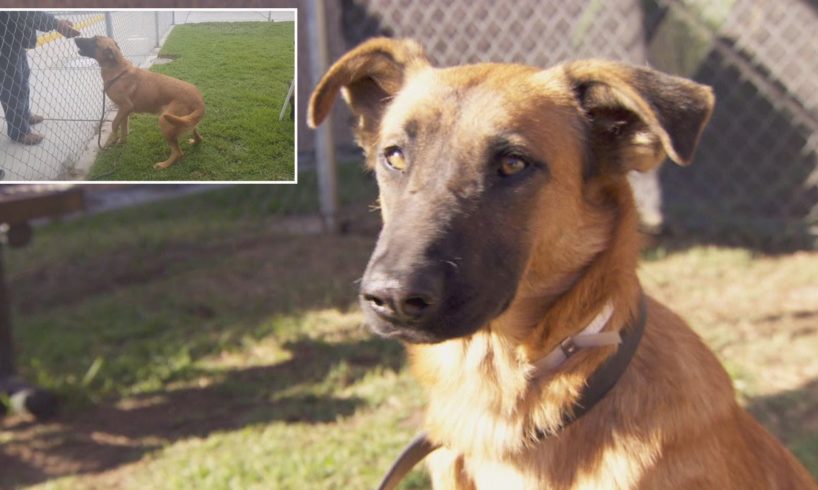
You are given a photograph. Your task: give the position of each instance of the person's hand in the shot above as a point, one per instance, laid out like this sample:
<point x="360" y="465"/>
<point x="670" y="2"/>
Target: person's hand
<point x="66" y="28"/>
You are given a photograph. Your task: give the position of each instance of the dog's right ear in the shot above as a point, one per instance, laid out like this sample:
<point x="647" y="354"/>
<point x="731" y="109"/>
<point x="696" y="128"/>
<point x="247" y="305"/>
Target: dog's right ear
<point x="368" y="77"/>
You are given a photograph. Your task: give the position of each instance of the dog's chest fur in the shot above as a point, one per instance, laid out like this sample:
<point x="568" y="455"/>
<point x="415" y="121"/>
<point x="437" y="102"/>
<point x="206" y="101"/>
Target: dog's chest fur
<point x="484" y="409"/>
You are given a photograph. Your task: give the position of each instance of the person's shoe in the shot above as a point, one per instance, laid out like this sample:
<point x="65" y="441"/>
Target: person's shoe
<point x="30" y="139"/>
<point x="35" y="119"/>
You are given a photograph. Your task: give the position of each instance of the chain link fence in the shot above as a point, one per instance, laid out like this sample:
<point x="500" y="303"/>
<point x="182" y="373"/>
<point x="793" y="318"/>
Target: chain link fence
<point x="754" y="181"/>
<point x="51" y="80"/>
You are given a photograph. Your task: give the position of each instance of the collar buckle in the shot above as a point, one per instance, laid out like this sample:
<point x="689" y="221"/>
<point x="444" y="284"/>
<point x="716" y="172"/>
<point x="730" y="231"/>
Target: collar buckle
<point x="569" y="347"/>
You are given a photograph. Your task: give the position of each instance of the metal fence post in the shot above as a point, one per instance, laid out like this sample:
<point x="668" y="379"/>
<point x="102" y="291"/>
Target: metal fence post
<point x="109" y="25"/>
<point x="156" y="25"/>
<point x="324" y="141"/>
<point x="173" y="18"/>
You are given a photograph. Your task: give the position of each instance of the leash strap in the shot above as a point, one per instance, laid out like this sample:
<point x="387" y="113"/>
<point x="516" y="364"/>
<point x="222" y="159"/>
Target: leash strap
<point x="101" y="120"/>
<point x="412" y="454"/>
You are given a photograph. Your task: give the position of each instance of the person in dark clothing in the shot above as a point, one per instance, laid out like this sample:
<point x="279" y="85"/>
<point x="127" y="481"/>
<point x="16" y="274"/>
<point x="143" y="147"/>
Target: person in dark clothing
<point x="18" y="33"/>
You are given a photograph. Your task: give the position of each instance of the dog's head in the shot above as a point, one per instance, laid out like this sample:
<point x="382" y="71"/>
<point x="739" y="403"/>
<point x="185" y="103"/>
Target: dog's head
<point x="103" y="49"/>
<point x="492" y="177"/>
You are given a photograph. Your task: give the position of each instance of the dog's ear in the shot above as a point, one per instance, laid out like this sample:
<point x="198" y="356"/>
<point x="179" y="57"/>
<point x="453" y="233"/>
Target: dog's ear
<point x="108" y="54"/>
<point x="638" y="116"/>
<point x="368" y="77"/>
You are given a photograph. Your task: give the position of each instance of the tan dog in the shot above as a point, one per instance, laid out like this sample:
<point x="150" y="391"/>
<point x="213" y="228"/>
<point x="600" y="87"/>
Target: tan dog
<point x="507" y="262"/>
<point x="179" y="104"/>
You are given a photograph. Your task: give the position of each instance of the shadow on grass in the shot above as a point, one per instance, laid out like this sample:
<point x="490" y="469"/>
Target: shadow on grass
<point x="793" y="417"/>
<point x="185" y="280"/>
<point x="108" y="436"/>
<point x="23" y="472"/>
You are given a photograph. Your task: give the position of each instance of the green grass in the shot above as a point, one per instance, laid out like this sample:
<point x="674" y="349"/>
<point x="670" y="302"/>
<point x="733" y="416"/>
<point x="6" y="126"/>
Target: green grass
<point x="198" y="346"/>
<point x="243" y="71"/>
<point x="137" y="255"/>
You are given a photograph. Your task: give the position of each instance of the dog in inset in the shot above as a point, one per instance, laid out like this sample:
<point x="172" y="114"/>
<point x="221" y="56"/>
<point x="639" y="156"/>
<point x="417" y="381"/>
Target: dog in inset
<point x="179" y="104"/>
<point x="507" y="264"/>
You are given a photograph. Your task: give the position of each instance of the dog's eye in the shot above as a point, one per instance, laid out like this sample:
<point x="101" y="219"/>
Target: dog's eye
<point x="510" y="165"/>
<point x="394" y="158"/>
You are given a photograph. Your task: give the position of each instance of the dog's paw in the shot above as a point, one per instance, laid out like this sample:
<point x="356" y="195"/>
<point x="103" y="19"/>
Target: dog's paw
<point x="161" y="165"/>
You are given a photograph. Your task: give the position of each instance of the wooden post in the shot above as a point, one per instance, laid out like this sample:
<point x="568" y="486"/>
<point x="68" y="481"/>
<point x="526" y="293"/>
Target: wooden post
<point x="6" y="345"/>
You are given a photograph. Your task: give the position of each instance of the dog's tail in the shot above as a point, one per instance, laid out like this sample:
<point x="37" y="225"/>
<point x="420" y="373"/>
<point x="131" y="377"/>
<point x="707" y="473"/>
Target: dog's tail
<point x="187" y="120"/>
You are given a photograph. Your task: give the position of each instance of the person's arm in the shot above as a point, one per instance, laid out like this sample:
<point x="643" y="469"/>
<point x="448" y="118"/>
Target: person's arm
<point x="42" y="21"/>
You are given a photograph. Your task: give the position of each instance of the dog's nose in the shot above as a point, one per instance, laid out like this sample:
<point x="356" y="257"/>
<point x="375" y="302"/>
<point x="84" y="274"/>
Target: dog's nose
<point x="399" y="301"/>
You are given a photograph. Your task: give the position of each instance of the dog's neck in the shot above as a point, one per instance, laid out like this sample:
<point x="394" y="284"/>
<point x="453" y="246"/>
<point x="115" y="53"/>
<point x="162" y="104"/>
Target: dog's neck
<point x="113" y="68"/>
<point x="558" y="300"/>
<point x="608" y="276"/>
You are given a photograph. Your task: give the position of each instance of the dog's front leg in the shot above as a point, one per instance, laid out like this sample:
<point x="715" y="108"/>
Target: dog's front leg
<point x="123" y="129"/>
<point x="447" y="470"/>
<point x="114" y="130"/>
<point x="117" y="126"/>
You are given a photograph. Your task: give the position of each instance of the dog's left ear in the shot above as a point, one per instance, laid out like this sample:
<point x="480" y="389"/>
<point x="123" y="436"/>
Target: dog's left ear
<point x="368" y="77"/>
<point x="637" y="116"/>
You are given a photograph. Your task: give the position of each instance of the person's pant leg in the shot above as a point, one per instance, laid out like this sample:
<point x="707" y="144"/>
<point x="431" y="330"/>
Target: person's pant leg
<point x="14" y="92"/>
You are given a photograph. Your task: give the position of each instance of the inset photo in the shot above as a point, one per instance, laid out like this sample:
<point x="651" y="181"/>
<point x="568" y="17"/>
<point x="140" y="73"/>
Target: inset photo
<point x="138" y="95"/>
